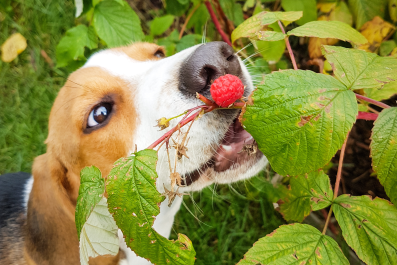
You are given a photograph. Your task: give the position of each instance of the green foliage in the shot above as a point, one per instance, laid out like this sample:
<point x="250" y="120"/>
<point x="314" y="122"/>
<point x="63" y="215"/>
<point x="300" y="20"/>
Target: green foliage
<point x="92" y="187"/>
<point x="384" y="151"/>
<point x="160" y="24"/>
<point x="99" y="234"/>
<point x="368" y="226"/>
<point x="270" y="35"/>
<point x="359" y="69"/>
<point x="71" y="47"/>
<point x="116" y="24"/>
<point x="271" y="50"/>
<point x="295" y="244"/>
<point x="293" y="119"/>
<point x="307" y="6"/>
<point x="308" y="192"/>
<point x="329" y="29"/>
<point x="134" y="203"/>
<point x="365" y="10"/>
<point x="285" y="17"/>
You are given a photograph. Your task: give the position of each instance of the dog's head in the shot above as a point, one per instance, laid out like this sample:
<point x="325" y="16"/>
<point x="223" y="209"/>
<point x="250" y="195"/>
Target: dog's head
<point x="112" y="103"/>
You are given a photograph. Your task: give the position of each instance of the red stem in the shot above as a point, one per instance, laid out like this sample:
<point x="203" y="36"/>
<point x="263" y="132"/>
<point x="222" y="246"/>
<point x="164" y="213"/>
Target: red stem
<point x="216" y="22"/>
<point x="339" y="173"/>
<point x="372" y="101"/>
<point x="291" y="54"/>
<point x="366" y="116"/>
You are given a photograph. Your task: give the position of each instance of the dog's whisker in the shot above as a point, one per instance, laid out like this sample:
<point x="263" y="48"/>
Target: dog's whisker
<point x="242" y="49"/>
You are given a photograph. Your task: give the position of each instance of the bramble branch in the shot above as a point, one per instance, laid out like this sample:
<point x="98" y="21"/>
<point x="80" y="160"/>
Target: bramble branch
<point x="291" y="53"/>
<point x="372" y="101"/>
<point x="225" y="38"/>
<point x="366" y="116"/>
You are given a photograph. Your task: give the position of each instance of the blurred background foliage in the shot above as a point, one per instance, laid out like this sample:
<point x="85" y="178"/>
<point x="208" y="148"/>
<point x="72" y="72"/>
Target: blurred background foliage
<point x="222" y="221"/>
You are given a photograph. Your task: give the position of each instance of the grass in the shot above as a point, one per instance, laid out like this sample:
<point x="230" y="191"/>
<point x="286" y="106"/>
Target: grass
<point x="230" y="219"/>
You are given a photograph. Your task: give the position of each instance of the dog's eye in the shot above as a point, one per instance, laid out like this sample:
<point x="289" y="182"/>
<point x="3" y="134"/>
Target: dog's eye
<point x="99" y="114"/>
<point x="159" y="54"/>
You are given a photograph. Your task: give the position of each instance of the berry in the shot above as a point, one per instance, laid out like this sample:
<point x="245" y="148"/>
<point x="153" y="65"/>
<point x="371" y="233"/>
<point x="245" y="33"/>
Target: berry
<point x="226" y="90"/>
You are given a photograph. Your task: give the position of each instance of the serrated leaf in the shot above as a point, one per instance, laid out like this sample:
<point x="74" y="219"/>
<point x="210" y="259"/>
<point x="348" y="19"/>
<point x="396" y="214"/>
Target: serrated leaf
<point x="329" y="29"/>
<point x="285" y="17"/>
<point x="386" y="92"/>
<point x="308" y="192"/>
<point x="359" y="69"/>
<point x="117" y="24"/>
<point x="249" y="27"/>
<point x="99" y="234"/>
<point x="368" y="227"/>
<point x="270" y="35"/>
<point x="92" y="187"/>
<point x="160" y="24"/>
<point x="71" y="47"/>
<point x="384" y="151"/>
<point x="198" y="19"/>
<point x="14" y="45"/>
<point x="365" y="10"/>
<point x="300" y="119"/>
<point x="295" y="244"/>
<point x="188" y="41"/>
<point x="375" y="31"/>
<point x="134" y="203"/>
<point x="175" y="8"/>
<point x="307" y="6"/>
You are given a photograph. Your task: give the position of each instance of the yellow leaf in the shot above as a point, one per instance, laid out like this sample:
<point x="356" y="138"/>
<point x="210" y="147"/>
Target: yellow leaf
<point x="375" y="31"/>
<point x="315" y="46"/>
<point x="13" y="46"/>
<point x="394" y="52"/>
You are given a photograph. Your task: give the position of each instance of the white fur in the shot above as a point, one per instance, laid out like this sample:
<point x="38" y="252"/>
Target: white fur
<point x="154" y="85"/>
<point x="26" y="192"/>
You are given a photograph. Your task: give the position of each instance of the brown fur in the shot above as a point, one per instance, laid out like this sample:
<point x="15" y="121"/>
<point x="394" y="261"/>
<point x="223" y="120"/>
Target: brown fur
<point x="50" y="231"/>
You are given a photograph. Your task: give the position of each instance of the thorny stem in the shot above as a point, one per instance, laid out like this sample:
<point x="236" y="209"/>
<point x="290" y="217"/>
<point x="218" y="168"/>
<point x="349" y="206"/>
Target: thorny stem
<point x="187" y="20"/>
<point x="372" y="101"/>
<point x="291" y="54"/>
<point x="337" y="182"/>
<point x="225" y="38"/>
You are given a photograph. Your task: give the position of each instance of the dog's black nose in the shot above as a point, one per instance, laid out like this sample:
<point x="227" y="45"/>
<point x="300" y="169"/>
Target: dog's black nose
<point x="207" y="63"/>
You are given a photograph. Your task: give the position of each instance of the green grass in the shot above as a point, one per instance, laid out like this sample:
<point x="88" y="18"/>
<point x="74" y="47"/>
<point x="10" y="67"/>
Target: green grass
<point x="229" y="222"/>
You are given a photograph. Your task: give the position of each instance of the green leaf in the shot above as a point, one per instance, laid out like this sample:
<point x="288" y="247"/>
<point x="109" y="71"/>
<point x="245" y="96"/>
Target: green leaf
<point x="285" y="17"/>
<point x="359" y="69"/>
<point x="198" y="19"/>
<point x="92" y="187"/>
<point x="393" y="10"/>
<point x="387" y="47"/>
<point x="160" y="24"/>
<point x="295" y="244"/>
<point x="238" y="15"/>
<point x="342" y="13"/>
<point x="384" y="151"/>
<point x="368" y="227"/>
<point x="134" y="203"/>
<point x="270" y="35"/>
<point x="366" y="10"/>
<point x="386" y="92"/>
<point x="308" y="7"/>
<point x="329" y="29"/>
<point x="271" y="51"/>
<point x="188" y="41"/>
<point x="307" y="192"/>
<point x="175" y="8"/>
<point x="184" y="2"/>
<point x="300" y="119"/>
<point x="117" y="24"/>
<point x="71" y="47"/>
<point x="249" y="27"/>
<point x="99" y="234"/>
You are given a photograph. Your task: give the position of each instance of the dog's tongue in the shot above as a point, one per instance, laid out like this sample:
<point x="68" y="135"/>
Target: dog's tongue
<point x="231" y="149"/>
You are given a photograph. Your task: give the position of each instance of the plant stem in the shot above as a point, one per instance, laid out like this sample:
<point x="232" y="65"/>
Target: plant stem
<point x="366" y="116"/>
<point x="291" y="53"/>
<point x="225" y="38"/>
<point x="372" y="101"/>
<point x="337" y="182"/>
<point x="187" y="20"/>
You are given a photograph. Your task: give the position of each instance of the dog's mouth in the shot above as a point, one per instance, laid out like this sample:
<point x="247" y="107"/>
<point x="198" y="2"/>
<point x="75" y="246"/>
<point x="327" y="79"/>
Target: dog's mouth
<point x="237" y="148"/>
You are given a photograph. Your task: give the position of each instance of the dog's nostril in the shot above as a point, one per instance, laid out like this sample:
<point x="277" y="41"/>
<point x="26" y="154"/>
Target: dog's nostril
<point x="207" y="63"/>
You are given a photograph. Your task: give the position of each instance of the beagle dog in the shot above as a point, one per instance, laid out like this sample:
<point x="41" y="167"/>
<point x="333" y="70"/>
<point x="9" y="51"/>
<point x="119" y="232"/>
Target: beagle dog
<point x="104" y="110"/>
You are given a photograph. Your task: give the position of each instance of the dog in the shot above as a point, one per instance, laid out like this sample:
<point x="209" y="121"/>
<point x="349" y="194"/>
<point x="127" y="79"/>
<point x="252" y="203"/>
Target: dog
<point x="103" y="111"/>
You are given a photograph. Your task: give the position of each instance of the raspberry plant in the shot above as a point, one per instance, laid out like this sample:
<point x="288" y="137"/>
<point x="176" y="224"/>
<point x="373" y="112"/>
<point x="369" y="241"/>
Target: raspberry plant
<point x="299" y="119"/>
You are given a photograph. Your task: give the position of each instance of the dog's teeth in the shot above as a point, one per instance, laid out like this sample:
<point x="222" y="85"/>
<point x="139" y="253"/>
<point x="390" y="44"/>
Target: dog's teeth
<point x="226" y="147"/>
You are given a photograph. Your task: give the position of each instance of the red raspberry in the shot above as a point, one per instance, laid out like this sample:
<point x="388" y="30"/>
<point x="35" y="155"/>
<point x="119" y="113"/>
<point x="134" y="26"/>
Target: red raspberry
<point x="226" y="90"/>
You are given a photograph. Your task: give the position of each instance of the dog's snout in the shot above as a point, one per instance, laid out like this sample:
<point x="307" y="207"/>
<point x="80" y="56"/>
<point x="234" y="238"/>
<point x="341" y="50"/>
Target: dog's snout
<point x="207" y="63"/>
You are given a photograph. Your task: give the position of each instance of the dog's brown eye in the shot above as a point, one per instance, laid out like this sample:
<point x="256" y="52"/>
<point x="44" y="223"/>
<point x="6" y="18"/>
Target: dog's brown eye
<point x="99" y="114"/>
<point x="159" y="54"/>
